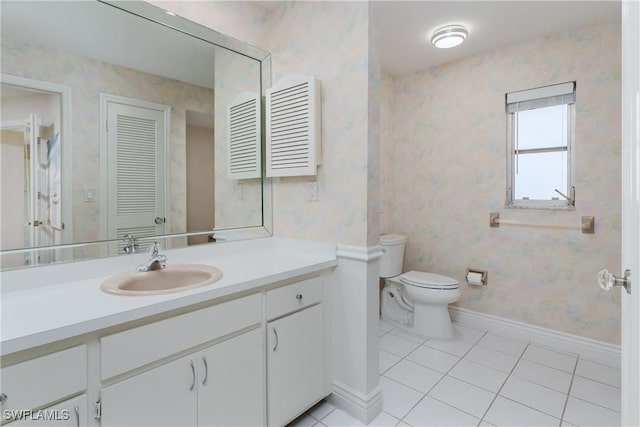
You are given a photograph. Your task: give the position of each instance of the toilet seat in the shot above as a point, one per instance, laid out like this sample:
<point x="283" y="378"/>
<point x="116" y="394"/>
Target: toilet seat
<point x="428" y="280"/>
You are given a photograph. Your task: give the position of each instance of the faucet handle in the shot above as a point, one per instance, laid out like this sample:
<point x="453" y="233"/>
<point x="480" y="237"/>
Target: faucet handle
<point x="130" y="244"/>
<point x="155" y="249"/>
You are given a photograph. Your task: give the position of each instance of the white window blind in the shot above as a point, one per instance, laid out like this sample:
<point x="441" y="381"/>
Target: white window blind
<point x="546" y="96"/>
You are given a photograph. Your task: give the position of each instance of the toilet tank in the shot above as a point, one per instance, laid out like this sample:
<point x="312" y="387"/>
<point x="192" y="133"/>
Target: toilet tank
<point x="392" y="254"/>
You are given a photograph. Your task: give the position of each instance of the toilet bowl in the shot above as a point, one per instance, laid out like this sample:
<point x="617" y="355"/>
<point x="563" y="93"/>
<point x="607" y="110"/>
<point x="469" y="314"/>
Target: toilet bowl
<point x="417" y="301"/>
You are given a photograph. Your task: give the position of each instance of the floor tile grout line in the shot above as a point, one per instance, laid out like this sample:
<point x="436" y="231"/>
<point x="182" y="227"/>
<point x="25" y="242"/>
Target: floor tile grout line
<point x="438" y="382"/>
<point x="532" y="408"/>
<point x="566" y="402"/>
<point x="541" y="385"/>
<point x="548" y="366"/>
<point x="597" y="381"/>
<point x="387" y="370"/>
<point x="402" y="419"/>
<point x="584" y="400"/>
<point x="495" y="396"/>
<point x="595" y="404"/>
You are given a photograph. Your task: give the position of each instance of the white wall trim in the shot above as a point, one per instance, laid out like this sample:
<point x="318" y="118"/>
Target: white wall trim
<point x="359" y="253"/>
<point x="597" y="351"/>
<point x="355" y="301"/>
<point x="364" y="408"/>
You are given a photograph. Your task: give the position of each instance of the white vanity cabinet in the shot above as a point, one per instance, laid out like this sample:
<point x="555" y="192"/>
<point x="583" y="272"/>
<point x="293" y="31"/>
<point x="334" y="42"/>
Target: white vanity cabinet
<point x="159" y="397"/>
<point x="38" y="382"/>
<point x="70" y="413"/>
<point x="295" y="349"/>
<point x="218" y="386"/>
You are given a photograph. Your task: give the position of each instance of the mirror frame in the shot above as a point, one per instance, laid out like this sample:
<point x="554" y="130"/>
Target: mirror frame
<point x="165" y="18"/>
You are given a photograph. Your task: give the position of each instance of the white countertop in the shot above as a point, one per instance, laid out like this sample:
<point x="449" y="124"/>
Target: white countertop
<point x="63" y="301"/>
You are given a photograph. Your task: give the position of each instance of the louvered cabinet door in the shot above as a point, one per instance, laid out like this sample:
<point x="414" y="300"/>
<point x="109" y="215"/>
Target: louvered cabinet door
<point x="293" y="127"/>
<point x="244" y="137"/>
<point x="135" y="171"/>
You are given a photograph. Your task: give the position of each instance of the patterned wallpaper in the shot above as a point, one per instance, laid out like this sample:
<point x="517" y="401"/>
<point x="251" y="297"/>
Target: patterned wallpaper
<point x="444" y="170"/>
<point x="442" y="158"/>
<point x="300" y="43"/>
<point x="235" y="74"/>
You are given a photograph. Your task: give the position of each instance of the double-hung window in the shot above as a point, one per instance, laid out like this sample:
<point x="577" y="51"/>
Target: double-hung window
<point x="540" y="124"/>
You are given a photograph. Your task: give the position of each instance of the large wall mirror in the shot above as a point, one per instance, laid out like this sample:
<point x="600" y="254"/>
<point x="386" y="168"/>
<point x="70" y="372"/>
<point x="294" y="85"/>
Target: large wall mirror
<point x="114" y="122"/>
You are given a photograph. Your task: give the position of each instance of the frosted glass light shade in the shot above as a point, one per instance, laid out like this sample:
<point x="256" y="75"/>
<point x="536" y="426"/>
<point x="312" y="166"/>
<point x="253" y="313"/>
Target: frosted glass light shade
<point x="449" y="36"/>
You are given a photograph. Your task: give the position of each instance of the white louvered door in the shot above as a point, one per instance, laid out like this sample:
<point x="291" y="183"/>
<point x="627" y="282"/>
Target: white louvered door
<point x="243" y="124"/>
<point x="136" y="140"/>
<point x="293" y="127"/>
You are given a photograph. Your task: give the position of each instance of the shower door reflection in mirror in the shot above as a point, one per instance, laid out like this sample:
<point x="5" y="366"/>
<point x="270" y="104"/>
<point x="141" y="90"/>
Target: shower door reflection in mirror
<point x="30" y="157"/>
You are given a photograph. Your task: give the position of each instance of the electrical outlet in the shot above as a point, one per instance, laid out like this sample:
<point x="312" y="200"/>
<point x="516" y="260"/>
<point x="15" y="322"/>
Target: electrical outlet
<point x="313" y="191"/>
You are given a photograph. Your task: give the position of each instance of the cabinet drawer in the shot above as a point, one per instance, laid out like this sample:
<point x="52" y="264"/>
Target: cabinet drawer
<point x="37" y="382"/>
<point x="292" y="297"/>
<point x="139" y="346"/>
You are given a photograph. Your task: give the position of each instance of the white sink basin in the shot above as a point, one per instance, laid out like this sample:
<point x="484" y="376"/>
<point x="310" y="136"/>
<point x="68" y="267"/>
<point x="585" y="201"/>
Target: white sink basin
<point x="174" y="278"/>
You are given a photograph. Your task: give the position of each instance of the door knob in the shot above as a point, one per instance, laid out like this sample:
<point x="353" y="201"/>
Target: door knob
<point x="607" y="280"/>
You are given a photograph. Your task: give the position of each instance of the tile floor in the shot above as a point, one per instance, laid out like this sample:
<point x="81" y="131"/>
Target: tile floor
<point x="482" y="379"/>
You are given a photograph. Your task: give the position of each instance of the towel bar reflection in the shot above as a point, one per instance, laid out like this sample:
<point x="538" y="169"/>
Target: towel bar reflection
<point x="587" y="225"/>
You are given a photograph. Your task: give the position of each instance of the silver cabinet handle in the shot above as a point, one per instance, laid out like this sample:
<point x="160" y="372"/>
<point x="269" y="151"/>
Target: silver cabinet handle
<point x="193" y="372"/>
<point x="299" y="297"/>
<point x="276" y="334"/>
<point x="77" y="410"/>
<point x="3" y="398"/>
<point x="206" y="370"/>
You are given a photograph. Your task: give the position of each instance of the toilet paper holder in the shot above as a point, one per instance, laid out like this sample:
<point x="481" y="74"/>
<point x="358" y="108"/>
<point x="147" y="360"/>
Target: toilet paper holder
<point x="476" y="276"/>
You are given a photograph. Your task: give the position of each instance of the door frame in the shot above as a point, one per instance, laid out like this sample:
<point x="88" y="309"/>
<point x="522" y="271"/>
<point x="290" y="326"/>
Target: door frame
<point x="105" y="99"/>
<point x="66" y="164"/>
<point x="630" y="317"/>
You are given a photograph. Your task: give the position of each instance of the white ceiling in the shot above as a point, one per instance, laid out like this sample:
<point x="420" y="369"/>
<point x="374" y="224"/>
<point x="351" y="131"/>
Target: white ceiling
<point x="404" y="27"/>
<point x="104" y="33"/>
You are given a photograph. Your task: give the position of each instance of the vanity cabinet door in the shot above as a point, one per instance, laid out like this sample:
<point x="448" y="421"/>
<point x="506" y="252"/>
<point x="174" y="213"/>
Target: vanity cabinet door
<point x="234" y="391"/>
<point x="163" y="396"/>
<point x="295" y="364"/>
<point x="70" y="413"/>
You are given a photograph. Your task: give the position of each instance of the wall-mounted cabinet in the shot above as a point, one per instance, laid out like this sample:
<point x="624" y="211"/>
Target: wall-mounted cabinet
<point x="293" y="127"/>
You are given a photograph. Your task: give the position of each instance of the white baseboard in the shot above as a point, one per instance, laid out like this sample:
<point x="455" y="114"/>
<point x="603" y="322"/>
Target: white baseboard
<point x="596" y="351"/>
<point x="363" y="408"/>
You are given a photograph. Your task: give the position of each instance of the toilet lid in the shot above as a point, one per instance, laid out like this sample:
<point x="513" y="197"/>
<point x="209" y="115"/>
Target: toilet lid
<point x="428" y="280"/>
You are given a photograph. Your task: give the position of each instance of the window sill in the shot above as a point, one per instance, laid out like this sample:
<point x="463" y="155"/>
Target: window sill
<point x="541" y="205"/>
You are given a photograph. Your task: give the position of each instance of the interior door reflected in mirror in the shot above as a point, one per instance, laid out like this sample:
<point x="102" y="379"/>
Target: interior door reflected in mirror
<point x="104" y="132"/>
<point x="30" y="157"/>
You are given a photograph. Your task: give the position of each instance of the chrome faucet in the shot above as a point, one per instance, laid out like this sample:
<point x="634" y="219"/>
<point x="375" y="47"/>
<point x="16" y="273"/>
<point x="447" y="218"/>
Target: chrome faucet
<point x="130" y="244"/>
<point x="155" y="261"/>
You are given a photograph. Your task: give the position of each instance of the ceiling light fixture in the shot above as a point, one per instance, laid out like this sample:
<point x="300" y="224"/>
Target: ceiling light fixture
<point x="449" y="36"/>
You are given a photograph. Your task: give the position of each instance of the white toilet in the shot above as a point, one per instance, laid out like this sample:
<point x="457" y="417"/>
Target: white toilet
<point x="415" y="300"/>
